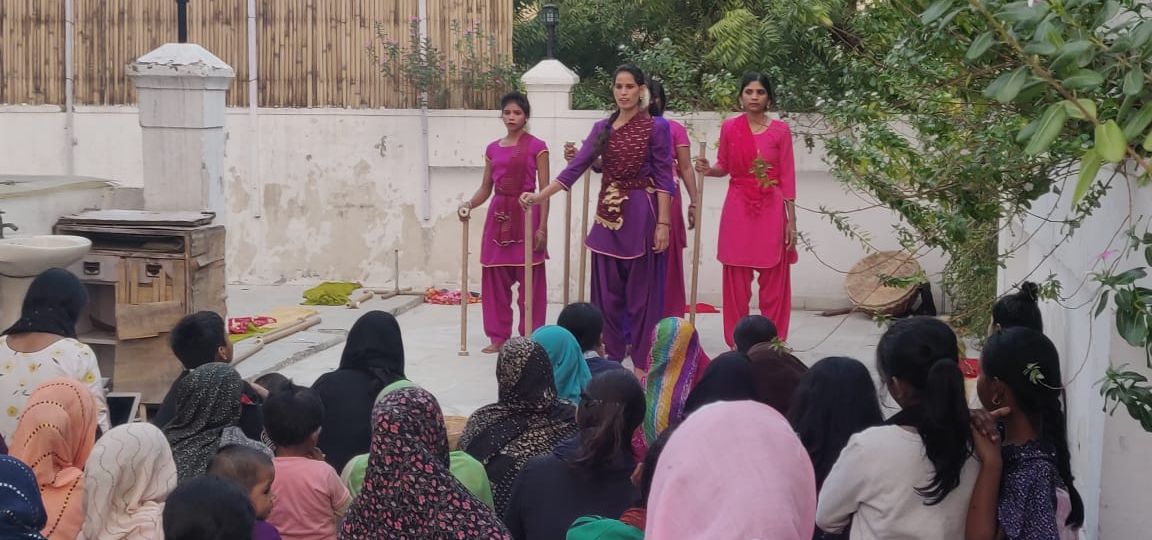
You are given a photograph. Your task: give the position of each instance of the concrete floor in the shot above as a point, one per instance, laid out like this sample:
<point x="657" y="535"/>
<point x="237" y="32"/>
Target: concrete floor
<point x="465" y="383"/>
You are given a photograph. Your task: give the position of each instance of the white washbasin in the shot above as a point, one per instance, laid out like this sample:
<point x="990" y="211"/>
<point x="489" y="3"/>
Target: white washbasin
<point x="27" y="256"/>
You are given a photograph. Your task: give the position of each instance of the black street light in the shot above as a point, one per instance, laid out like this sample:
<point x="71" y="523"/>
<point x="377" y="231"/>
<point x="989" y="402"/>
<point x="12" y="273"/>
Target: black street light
<point x="550" y="14"/>
<point x="182" y="21"/>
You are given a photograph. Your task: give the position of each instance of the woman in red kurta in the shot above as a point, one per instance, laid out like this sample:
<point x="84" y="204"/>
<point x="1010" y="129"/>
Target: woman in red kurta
<point x="758" y="224"/>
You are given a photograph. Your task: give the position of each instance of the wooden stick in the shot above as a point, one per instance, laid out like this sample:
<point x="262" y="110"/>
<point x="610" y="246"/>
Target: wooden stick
<point x="259" y="341"/>
<point x="355" y="301"/>
<point x="696" y="241"/>
<point x="464" y="294"/>
<point x="567" y="244"/>
<point x="583" y="236"/>
<point x="526" y="285"/>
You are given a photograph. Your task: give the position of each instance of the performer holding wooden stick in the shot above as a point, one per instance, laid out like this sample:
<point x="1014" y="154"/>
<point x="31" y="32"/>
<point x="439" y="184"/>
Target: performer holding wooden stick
<point x="630" y="236"/>
<point x="758" y="224"/>
<point x="464" y="294"/>
<point x="678" y="236"/>
<point x="512" y="167"/>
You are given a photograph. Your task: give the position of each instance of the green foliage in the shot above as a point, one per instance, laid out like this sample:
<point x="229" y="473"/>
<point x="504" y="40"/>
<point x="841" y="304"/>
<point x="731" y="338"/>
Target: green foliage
<point x="426" y="73"/>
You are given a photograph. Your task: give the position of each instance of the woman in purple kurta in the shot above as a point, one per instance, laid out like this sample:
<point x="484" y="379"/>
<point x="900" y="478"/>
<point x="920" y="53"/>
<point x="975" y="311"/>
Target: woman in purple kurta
<point x="512" y="165"/>
<point x="630" y="235"/>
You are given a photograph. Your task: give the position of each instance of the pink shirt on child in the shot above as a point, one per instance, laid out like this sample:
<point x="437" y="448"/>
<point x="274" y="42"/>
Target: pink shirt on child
<point x="310" y="499"/>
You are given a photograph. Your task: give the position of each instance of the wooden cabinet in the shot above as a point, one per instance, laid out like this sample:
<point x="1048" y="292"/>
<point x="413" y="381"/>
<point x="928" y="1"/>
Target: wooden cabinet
<point x="146" y="270"/>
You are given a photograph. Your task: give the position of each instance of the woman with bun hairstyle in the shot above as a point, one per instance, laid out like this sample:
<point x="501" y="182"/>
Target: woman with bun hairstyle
<point x="1019" y="309"/>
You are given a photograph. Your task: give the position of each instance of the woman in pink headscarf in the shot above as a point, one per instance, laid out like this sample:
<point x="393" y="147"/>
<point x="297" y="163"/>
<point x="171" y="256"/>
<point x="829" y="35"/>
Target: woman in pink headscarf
<point x="733" y="469"/>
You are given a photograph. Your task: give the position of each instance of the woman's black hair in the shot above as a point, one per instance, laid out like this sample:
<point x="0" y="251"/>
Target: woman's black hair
<point x="834" y="400"/>
<point x="651" y="459"/>
<point x="519" y="99"/>
<point x="755" y="76"/>
<point x="611" y="408"/>
<point x="922" y="352"/>
<point x="638" y="75"/>
<point x="753" y="330"/>
<point x="1027" y="362"/>
<point x="208" y="508"/>
<point x="585" y="322"/>
<point x="659" y="98"/>
<point x="1019" y="309"/>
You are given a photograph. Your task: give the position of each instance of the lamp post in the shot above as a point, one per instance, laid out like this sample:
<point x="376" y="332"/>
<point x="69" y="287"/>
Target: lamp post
<point x="182" y="21"/>
<point x="550" y="14"/>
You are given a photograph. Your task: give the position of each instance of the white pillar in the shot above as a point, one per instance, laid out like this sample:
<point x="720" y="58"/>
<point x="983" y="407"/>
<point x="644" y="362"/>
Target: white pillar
<point x="549" y="86"/>
<point x="181" y="89"/>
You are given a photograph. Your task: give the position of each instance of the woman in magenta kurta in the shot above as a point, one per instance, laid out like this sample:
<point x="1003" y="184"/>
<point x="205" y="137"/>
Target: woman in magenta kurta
<point x="511" y="167"/>
<point x="758" y="223"/>
<point x="674" y="299"/>
<point x="630" y="235"/>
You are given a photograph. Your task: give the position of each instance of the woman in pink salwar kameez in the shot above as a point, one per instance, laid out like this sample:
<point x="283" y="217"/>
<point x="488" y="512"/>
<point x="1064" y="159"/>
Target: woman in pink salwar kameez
<point x="758" y="224"/>
<point x="512" y="166"/>
<point x="674" y="299"/>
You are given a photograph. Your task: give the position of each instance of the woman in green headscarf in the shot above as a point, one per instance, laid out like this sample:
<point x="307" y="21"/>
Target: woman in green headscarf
<point x="464" y="467"/>
<point x="568" y="365"/>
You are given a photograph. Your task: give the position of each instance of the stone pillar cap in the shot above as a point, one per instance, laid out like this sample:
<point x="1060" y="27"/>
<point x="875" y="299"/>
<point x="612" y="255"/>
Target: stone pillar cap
<point x="180" y="59"/>
<point x="550" y="74"/>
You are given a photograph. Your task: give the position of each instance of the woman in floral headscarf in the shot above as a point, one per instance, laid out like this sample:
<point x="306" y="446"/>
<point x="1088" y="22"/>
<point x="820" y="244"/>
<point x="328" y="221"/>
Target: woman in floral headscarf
<point x="409" y="491"/>
<point x="54" y="437"/>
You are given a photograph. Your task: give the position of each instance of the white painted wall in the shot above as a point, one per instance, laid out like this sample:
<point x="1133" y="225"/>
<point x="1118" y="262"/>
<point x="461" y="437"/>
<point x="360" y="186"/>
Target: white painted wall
<point x="336" y="191"/>
<point x="1110" y="453"/>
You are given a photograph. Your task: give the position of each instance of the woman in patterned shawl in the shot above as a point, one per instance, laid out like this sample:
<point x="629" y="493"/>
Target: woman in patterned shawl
<point x="207" y="418"/>
<point x="126" y="481"/>
<point x="22" y="512"/>
<point x="676" y="364"/>
<point x="527" y="420"/>
<point x="409" y="492"/>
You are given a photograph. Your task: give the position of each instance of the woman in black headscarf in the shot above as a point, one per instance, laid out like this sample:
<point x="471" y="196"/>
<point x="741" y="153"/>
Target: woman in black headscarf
<point x="373" y="358"/>
<point x="42" y="345"/>
<point x="727" y="378"/>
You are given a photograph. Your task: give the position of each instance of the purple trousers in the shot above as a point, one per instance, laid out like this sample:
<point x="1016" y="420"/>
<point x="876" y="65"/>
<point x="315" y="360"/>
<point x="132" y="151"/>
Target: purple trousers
<point x="496" y="289"/>
<point x="630" y="293"/>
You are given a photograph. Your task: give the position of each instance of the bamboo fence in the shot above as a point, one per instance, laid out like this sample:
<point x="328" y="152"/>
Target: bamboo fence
<point x="311" y="53"/>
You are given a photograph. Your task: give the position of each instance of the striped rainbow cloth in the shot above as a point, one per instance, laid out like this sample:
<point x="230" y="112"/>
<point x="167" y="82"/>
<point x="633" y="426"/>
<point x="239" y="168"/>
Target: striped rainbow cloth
<point x="672" y="366"/>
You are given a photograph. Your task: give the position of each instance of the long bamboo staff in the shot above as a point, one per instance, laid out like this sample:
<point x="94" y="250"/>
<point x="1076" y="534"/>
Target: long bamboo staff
<point x="703" y="147"/>
<point x="583" y="235"/>
<point x="567" y="244"/>
<point x="526" y="285"/>
<point x="465" y="296"/>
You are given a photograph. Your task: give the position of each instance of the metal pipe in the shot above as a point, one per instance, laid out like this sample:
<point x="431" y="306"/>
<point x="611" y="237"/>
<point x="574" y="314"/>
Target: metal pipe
<point x="253" y="118"/>
<point x="425" y="161"/>
<point x="182" y="21"/>
<point x="69" y="88"/>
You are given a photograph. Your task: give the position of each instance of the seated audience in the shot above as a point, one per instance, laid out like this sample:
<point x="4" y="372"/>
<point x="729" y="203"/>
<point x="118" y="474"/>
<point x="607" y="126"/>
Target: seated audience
<point x="253" y="471"/>
<point x="775" y="374"/>
<point x="373" y="358"/>
<point x="273" y="382"/>
<point x="55" y="436"/>
<point x="22" y="514"/>
<point x="310" y="498"/>
<point x="728" y="377"/>
<point x="1025" y="488"/>
<point x="207" y="418"/>
<point x="42" y="345"/>
<point x="464" y="467"/>
<point x="631" y="524"/>
<point x="753" y="330"/>
<point x="834" y="400"/>
<point x="409" y="491"/>
<point x="208" y="508"/>
<point x="676" y="363"/>
<point x="569" y="369"/>
<point x="588" y="475"/>
<point x="202" y="338"/>
<point x="586" y="324"/>
<point x="527" y="420"/>
<point x="912" y="478"/>
<point x="127" y="478"/>
<point x="733" y="469"/>
<point x="1019" y="309"/>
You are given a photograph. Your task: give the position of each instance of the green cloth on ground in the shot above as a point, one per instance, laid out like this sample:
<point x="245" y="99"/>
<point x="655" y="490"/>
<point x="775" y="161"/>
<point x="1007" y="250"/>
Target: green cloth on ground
<point x="330" y="293"/>
<point x="253" y="331"/>
<point x="464" y="467"/>
<point x="598" y="528"/>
